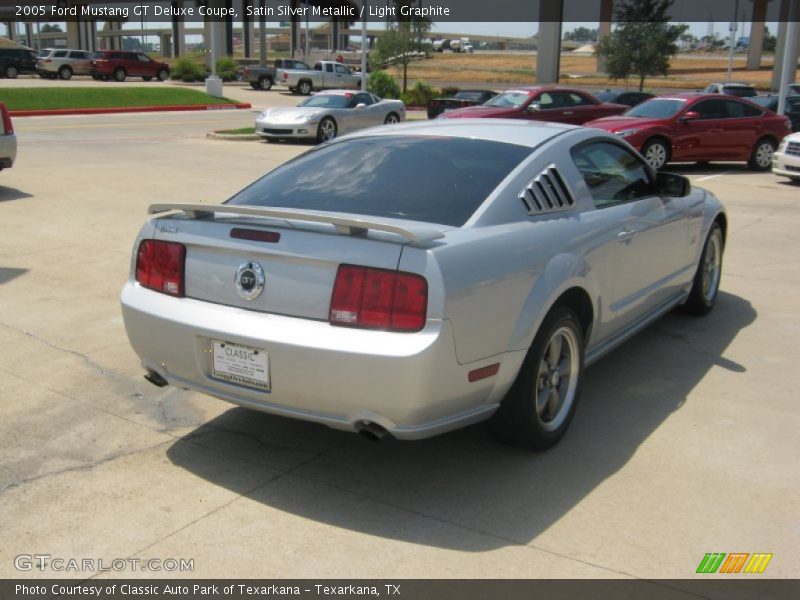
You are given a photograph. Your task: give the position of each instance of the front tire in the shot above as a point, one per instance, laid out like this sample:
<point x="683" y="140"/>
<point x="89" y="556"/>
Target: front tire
<point x="656" y="153"/>
<point x="163" y="75"/>
<point x="540" y="404"/>
<point x="761" y="156"/>
<point x="11" y="72"/>
<point x="119" y="75"/>
<point x="65" y="73"/>
<point x="391" y="119"/>
<point x="705" y="286"/>
<point x="326" y="131"/>
<point x="304" y="88"/>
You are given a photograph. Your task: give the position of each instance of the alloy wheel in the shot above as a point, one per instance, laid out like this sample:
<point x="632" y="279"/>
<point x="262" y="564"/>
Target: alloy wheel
<point x="557" y="379"/>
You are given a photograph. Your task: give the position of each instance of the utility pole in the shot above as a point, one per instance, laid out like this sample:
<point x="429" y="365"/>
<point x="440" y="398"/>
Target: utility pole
<point x="364" y="48"/>
<point x="733" y="27"/>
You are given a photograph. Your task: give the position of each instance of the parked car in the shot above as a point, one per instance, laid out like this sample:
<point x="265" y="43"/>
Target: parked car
<point x="791" y="110"/>
<point x="63" y="63"/>
<point x="738" y="89"/>
<point x="263" y="78"/>
<point x="460" y="99"/>
<point x="625" y="97"/>
<point x="689" y="127"/>
<point x="326" y="74"/>
<point x="326" y="115"/>
<point x="8" y="140"/>
<point x="17" y="61"/>
<point x="546" y="103"/>
<point x="429" y="275"/>
<point x="119" y="64"/>
<point x="786" y="160"/>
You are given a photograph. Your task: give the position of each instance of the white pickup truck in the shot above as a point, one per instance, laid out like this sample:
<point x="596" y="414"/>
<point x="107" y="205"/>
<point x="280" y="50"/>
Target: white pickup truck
<point x="326" y="74"/>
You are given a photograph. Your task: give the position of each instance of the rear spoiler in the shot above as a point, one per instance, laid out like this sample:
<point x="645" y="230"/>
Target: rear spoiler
<point x="344" y="225"/>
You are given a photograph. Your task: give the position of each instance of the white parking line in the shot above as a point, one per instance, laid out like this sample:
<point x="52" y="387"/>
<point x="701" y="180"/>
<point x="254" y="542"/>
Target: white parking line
<point x="715" y="176"/>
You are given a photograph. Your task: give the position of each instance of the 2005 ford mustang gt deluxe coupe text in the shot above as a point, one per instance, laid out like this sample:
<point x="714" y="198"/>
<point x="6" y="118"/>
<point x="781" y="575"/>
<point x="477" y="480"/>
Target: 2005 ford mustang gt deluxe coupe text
<point x="412" y="279"/>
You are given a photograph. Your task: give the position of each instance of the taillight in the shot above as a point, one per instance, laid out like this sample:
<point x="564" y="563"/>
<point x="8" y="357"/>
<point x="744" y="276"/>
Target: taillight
<point x="378" y="299"/>
<point x="285" y="76"/>
<point x="47" y="60"/>
<point x="246" y="71"/>
<point x="159" y="266"/>
<point x="8" y="127"/>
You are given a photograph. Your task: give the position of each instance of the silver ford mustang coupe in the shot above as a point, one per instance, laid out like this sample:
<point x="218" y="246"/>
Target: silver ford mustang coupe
<point x="326" y="115"/>
<point x="414" y="279"/>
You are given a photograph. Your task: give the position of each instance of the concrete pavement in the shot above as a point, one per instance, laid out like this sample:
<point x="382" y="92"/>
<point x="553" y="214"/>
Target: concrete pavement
<point x="685" y="441"/>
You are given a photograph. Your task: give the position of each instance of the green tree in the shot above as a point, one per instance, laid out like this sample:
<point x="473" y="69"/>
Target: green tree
<point x="642" y="42"/>
<point x="581" y="34"/>
<point x="770" y="42"/>
<point x="404" y="36"/>
<point x="51" y="28"/>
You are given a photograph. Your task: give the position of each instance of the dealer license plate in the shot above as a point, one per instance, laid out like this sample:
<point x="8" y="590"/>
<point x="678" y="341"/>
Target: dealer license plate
<point x="241" y="364"/>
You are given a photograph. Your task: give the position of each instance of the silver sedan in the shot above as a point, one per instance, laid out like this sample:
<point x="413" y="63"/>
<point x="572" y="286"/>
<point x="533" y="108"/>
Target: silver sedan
<point x="410" y="280"/>
<point x="326" y="115"/>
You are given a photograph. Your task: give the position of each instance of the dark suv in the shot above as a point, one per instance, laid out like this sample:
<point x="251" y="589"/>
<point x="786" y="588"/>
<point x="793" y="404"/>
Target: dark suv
<point x="119" y="64"/>
<point x="14" y="61"/>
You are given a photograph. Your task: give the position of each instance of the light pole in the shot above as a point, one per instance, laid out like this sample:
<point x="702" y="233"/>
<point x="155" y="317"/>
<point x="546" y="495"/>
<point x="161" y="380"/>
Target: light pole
<point x="364" y="48"/>
<point x="733" y="27"/>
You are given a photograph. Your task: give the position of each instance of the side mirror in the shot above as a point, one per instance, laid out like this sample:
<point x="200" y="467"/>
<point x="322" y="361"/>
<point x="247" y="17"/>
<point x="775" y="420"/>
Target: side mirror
<point x="673" y="186"/>
<point x="534" y="107"/>
<point x="691" y="115"/>
<point x="361" y="105"/>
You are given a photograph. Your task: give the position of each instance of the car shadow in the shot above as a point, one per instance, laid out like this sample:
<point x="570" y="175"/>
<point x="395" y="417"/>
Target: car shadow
<point x="8" y="193"/>
<point x="503" y="495"/>
<point x="9" y="273"/>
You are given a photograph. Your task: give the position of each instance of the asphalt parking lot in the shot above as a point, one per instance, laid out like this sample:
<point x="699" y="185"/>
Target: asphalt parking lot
<point x="685" y="441"/>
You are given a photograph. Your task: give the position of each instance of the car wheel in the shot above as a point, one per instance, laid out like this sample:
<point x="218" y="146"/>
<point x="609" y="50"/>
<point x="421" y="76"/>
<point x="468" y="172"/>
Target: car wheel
<point x="119" y="74"/>
<point x="705" y="286"/>
<point x="326" y="130"/>
<point x="391" y="119"/>
<point x="304" y="88"/>
<point x="539" y="406"/>
<point x="163" y="75"/>
<point x="11" y="72"/>
<point x="656" y="153"/>
<point x="147" y="78"/>
<point x="65" y="73"/>
<point x="265" y="84"/>
<point x="761" y="157"/>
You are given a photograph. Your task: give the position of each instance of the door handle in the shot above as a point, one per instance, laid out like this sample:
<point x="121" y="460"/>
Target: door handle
<point x="626" y="235"/>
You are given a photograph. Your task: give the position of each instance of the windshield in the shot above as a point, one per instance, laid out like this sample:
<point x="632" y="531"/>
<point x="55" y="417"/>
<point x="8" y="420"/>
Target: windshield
<point x="327" y="101"/>
<point x="509" y="99"/>
<point x="739" y="91"/>
<point x="657" y="108"/>
<point x="370" y="176"/>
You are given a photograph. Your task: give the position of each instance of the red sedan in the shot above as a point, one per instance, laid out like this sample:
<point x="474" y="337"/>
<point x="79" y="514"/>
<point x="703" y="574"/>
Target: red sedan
<point x="544" y="103"/>
<point x="691" y="127"/>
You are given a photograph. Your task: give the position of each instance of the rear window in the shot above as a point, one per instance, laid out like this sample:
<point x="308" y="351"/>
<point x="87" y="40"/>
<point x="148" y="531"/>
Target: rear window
<point x="435" y="180"/>
<point x="740" y="91"/>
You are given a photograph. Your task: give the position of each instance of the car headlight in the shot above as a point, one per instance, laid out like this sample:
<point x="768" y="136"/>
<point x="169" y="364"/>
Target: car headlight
<point x="626" y="132"/>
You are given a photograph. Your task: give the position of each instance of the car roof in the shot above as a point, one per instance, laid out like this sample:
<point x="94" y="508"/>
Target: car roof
<point x="544" y="88"/>
<point x="733" y="84"/>
<point x="510" y="131"/>
<point x="338" y="92"/>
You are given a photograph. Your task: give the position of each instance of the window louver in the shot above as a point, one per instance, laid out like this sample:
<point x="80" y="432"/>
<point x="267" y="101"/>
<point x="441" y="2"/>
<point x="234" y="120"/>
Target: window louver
<point x="547" y="193"/>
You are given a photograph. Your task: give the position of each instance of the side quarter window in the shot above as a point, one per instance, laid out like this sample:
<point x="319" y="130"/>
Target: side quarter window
<point x="613" y="174"/>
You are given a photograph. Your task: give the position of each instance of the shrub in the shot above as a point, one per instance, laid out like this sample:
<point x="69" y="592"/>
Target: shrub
<point x="382" y="85"/>
<point x="420" y="95"/>
<point x="226" y="68"/>
<point x="187" y="70"/>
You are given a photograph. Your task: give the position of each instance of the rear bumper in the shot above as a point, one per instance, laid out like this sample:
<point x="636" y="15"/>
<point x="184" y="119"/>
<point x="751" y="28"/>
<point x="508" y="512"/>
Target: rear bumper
<point x="8" y="151"/>
<point x="410" y="384"/>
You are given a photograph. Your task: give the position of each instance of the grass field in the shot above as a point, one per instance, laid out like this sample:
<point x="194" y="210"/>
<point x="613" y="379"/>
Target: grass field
<point x="103" y="97"/>
<point x="685" y="71"/>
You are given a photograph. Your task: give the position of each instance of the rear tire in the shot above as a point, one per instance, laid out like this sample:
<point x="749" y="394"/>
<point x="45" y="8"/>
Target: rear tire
<point x="761" y="156"/>
<point x="391" y="119"/>
<point x="65" y="73"/>
<point x="540" y="404"/>
<point x="705" y="286"/>
<point x="119" y="75"/>
<point x="265" y="84"/>
<point x="163" y="75"/>
<point x="304" y="88"/>
<point x="11" y="72"/>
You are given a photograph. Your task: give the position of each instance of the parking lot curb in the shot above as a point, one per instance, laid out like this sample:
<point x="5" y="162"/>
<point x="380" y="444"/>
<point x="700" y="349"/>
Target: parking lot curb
<point x="126" y="109"/>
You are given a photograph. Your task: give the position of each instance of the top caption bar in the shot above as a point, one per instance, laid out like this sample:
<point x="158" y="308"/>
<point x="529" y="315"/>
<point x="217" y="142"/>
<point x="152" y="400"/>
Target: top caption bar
<point x="719" y="11"/>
